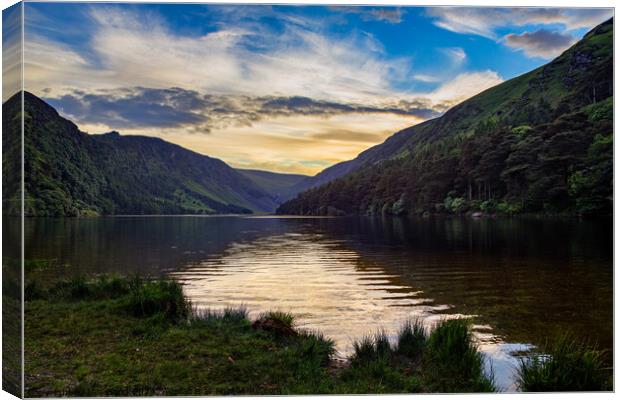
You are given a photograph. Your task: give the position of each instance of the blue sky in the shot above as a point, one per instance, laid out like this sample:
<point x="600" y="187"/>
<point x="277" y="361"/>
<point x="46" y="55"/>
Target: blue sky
<point x="285" y="88"/>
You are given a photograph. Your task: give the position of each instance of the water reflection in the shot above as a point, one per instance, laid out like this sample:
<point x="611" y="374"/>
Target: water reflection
<point x="523" y="280"/>
<point x="325" y="284"/>
<point x="329" y="288"/>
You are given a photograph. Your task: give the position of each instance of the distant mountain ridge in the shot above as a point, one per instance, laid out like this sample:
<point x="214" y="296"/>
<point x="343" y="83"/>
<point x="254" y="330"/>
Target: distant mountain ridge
<point x="369" y="156"/>
<point x="68" y="172"/>
<point x="280" y="186"/>
<point x="499" y="148"/>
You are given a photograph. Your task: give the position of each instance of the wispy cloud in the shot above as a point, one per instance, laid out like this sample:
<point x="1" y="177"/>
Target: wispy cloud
<point x="464" y="86"/>
<point x="541" y="43"/>
<point x="456" y="54"/>
<point x="392" y="15"/>
<point x="426" y="78"/>
<point x="132" y="50"/>
<point x="484" y="21"/>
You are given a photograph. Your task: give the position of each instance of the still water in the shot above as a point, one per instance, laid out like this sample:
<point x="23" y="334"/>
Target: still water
<point x="521" y="280"/>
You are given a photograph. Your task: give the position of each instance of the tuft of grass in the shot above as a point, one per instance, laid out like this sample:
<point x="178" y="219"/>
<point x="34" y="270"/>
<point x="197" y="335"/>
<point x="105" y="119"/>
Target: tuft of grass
<point x="315" y="346"/>
<point x="76" y="288"/>
<point x="452" y="362"/>
<point x="279" y="323"/>
<point x="375" y="369"/>
<point x="79" y="288"/>
<point x="235" y="314"/>
<point x="371" y="349"/>
<point x="411" y="339"/>
<point x="570" y="365"/>
<point x="285" y="318"/>
<point x="363" y="350"/>
<point x="228" y="314"/>
<point x="147" y="298"/>
<point x="111" y="286"/>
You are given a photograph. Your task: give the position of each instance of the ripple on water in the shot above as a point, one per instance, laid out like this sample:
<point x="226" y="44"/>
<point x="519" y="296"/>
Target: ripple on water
<point x="330" y="289"/>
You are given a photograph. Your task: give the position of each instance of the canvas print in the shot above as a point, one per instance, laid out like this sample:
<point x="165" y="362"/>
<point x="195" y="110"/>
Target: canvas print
<point x="229" y="199"/>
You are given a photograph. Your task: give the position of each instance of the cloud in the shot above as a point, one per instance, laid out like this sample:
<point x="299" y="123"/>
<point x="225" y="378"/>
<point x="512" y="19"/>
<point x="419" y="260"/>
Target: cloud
<point x="426" y="78"/>
<point x="456" y="54"/>
<point x="130" y="109"/>
<point x="339" y="135"/>
<point x="11" y="51"/>
<point x="541" y="43"/>
<point x="195" y="112"/>
<point x="126" y="49"/>
<point x="176" y="107"/>
<point x="263" y="92"/>
<point x="248" y="71"/>
<point x="392" y="15"/>
<point x="302" y="143"/>
<point x="462" y="87"/>
<point x="299" y="105"/>
<point x="484" y="21"/>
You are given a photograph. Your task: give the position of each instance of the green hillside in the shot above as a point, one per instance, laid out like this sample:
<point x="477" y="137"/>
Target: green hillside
<point x="541" y="142"/>
<point x="71" y="173"/>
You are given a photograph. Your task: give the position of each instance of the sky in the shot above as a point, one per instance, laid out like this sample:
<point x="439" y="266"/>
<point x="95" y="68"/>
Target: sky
<point x="281" y="88"/>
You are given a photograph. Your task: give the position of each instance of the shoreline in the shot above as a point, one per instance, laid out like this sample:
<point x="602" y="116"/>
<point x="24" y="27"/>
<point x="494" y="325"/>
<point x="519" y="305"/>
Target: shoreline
<point x="116" y="335"/>
<point x="108" y="316"/>
<point x="292" y="216"/>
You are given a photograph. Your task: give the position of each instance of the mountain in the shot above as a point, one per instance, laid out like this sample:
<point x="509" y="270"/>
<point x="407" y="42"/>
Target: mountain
<point x="281" y="187"/>
<point x="69" y="172"/>
<point x="541" y="142"/>
<point x="385" y="150"/>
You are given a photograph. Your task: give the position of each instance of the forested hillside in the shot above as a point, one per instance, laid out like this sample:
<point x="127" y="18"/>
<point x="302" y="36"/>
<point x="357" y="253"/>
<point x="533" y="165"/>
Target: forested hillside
<point x="71" y="173"/>
<point x="541" y="142"/>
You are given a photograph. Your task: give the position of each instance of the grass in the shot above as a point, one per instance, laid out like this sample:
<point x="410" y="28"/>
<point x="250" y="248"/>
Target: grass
<point x="11" y="326"/>
<point x="149" y="298"/>
<point x="142" y="338"/>
<point x="286" y="319"/>
<point x="228" y="314"/>
<point x="115" y="336"/>
<point x="568" y="365"/>
<point x="371" y="349"/>
<point x="411" y="339"/>
<point x="453" y="361"/>
<point x="444" y="360"/>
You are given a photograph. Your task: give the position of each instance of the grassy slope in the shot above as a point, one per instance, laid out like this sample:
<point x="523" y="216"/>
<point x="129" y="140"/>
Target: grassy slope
<point x="116" y="336"/>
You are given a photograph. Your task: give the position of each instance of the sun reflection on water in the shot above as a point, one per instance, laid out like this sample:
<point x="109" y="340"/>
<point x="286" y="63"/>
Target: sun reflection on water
<point x="329" y="288"/>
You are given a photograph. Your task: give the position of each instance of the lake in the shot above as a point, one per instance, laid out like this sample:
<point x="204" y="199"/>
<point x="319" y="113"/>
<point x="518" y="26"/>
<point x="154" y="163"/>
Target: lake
<point x="521" y="280"/>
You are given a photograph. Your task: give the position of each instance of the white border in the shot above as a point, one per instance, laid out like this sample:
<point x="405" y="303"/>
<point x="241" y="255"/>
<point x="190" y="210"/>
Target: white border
<point x="483" y="3"/>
